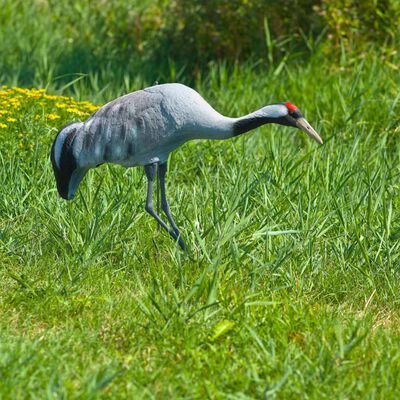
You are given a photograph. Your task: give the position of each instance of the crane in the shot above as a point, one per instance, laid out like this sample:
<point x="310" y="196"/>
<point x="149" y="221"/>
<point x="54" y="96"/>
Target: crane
<point x="143" y="127"/>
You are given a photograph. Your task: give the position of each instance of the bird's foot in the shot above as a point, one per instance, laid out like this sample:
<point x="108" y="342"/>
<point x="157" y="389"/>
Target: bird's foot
<point x="177" y="236"/>
<point x="182" y="244"/>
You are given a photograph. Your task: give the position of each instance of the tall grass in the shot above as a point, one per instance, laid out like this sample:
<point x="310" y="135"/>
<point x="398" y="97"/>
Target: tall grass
<point x="290" y="287"/>
<point x="97" y="49"/>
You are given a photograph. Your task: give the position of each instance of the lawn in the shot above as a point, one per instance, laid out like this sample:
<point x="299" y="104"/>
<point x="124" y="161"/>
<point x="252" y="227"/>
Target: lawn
<point x="290" y="285"/>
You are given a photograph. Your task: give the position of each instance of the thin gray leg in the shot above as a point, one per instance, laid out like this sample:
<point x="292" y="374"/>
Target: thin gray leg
<point x="158" y="196"/>
<point x="162" y="171"/>
<point x="151" y="171"/>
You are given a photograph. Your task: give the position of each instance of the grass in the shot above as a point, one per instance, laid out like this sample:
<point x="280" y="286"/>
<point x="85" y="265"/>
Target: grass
<point x="290" y="287"/>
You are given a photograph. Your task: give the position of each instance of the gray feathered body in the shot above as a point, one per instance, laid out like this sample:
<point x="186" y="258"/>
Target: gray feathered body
<point x="145" y="126"/>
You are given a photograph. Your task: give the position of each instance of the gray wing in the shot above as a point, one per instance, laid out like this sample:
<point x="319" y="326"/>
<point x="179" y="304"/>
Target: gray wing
<point x="127" y="125"/>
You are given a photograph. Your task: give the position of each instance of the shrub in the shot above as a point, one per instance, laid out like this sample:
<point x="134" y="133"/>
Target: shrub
<point x="46" y="40"/>
<point x="360" y="21"/>
<point x="195" y="32"/>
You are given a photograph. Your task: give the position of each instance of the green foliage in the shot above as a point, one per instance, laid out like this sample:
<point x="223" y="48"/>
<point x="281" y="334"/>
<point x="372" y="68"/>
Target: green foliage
<point x="196" y="32"/>
<point x="42" y="41"/>
<point x="362" y="21"/>
<point x="47" y="42"/>
<point x="290" y="289"/>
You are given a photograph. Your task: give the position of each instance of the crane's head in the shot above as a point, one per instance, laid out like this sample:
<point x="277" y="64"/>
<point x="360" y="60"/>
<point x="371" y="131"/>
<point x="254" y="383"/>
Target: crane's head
<point x="67" y="172"/>
<point x="281" y="113"/>
<point x="291" y="116"/>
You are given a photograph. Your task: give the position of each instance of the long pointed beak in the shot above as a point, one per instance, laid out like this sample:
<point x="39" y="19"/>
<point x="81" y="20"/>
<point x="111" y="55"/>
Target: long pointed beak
<point x="307" y="128"/>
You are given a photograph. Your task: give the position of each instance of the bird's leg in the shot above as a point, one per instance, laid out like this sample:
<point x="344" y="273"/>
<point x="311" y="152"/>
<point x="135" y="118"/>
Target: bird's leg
<point x="162" y="171"/>
<point x="151" y="170"/>
<point x="158" y="196"/>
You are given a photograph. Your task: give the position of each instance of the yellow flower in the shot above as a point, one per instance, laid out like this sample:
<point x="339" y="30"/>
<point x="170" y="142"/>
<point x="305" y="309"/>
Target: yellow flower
<point x="20" y="90"/>
<point x="43" y="105"/>
<point x="77" y="112"/>
<point x="61" y="105"/>
<point x="72" y="110"/>
<point x="50" y="97"/>
<point x="35" y="95"/>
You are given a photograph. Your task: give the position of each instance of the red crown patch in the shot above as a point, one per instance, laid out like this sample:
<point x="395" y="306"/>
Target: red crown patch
<point x="290" y="106"/>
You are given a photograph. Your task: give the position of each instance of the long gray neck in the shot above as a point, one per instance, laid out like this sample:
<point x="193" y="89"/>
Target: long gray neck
<point x="274" y="113"/>
<point x="220" y="127"/>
